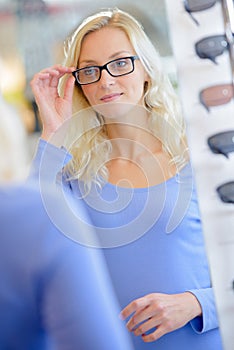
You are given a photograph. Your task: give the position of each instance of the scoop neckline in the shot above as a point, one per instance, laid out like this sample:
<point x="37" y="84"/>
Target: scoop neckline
<point x="149" y="188"/>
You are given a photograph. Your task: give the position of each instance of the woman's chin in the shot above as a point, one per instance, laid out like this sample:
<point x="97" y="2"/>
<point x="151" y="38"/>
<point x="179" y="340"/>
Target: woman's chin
<point x="115" y="110"/>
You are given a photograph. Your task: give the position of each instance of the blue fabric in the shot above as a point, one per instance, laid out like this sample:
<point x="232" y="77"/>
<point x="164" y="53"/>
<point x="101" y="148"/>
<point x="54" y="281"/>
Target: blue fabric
<point x="54" y="293"/>
<point x="154" y="243"/>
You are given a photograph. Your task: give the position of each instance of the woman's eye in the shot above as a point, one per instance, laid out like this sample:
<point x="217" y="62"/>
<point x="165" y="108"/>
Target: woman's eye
<point x="121" y="63"/>
<point x="90" y="71"/>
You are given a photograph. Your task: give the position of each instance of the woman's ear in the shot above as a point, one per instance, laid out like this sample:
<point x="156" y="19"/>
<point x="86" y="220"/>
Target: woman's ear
<point x="147" y="78"/>
<point x="146" y="84"/>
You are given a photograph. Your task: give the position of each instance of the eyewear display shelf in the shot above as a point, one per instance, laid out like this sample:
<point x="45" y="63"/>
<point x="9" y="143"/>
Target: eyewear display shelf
<point x="206" y="92"/>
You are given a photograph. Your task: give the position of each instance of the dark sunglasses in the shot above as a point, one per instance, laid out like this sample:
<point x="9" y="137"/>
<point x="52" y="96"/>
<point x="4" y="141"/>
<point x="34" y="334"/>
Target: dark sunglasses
<point x="222" y="143"/>
<point x="226" y="192"/>
<point x="191" y="6"/>
<point x="211" y="46"/>
<point x="216" y="95"/>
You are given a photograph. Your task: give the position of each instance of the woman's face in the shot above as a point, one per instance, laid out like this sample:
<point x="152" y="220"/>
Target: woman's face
<point x="111" y="95"/>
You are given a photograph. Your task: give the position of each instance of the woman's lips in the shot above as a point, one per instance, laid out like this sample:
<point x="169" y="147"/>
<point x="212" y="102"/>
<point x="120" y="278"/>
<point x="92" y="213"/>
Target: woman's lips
<point x="111" y="97"/>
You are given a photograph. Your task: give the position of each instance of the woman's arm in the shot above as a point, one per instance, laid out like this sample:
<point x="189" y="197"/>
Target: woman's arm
<point x="48" y="161"/>
<point x="54" y="109"/>
<point x="168" y="312"/>
<point x="209" y="318"/>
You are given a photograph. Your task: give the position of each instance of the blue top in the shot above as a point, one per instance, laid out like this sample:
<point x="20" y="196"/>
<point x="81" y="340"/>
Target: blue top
<point x="54" y="293"/>
<point x="153" y="243"/>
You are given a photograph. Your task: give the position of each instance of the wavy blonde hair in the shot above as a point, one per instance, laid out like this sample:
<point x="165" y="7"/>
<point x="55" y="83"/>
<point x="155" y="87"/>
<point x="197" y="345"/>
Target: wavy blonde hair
<point x="90" y="145"/>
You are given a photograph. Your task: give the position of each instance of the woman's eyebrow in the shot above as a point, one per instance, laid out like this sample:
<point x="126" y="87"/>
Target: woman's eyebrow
<point x="120" y="53"/>
<point x="115" y="55"/>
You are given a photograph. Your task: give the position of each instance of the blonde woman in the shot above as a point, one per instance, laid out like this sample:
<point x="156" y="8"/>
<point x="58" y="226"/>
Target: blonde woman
<point x="55" y="294"/>
<point x="111" y="105"/>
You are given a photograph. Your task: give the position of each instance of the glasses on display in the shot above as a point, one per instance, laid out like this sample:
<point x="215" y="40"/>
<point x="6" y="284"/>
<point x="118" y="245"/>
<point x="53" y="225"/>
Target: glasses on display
<point x="116" y="68"/>
<point x="222" y="143"/>
<point x="191" y="6"/>
<point x="212" y="46"/>
<point x="226" y="192"/>
<point x="216" y="95"/>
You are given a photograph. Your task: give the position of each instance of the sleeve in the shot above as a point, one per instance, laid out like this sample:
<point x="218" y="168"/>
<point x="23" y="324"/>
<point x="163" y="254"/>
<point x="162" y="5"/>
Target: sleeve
<point x="80" y="309"/>
<point x="209" y="318"/>
<point x="48" y="156"/>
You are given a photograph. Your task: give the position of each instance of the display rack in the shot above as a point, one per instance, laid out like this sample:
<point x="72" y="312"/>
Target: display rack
<point x="206" y="92"/>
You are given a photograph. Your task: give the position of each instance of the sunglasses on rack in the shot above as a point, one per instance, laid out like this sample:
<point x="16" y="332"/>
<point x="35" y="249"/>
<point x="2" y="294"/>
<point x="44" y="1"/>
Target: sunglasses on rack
<point x="211" y="47"/>
<point x="216" y="95"/>
<point x="226" y="192"/>
<point x="222" y="143"/>
<point x="191" y="6"/>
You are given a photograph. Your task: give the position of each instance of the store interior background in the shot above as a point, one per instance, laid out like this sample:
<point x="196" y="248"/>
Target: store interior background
<point x="32" y="33"/>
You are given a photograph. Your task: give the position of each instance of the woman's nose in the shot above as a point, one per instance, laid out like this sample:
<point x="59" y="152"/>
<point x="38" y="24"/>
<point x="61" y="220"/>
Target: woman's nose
<point x="106" y="79"/>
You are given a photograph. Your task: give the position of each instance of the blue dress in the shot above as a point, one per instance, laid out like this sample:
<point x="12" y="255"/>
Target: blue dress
<point x="55" y="294"/>
<point x="153" y="243"/>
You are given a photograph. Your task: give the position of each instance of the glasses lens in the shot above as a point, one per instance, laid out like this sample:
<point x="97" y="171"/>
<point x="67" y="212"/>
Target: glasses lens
<point x="211" y="47"/>
<point x="226" y="192"/>
<point x="118" y="67"/>
<point x="121" y="66"/>
<point x="216" y="95"/>
<point x="222" y="143"/>
<point x="198" y="5"/>
<point x="87" y="75"/>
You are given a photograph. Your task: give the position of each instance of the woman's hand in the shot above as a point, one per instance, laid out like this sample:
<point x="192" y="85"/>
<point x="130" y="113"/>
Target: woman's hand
<point x="164" y="312"/>
<point x="53" y="109"/>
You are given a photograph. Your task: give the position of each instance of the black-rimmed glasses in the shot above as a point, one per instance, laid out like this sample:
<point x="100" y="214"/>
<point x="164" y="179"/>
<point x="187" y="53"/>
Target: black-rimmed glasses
<point x="116" y="68"/>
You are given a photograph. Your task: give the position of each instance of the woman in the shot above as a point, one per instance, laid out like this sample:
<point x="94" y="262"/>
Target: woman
<point x="55" y="293"/>
<point x="130" y="164"/>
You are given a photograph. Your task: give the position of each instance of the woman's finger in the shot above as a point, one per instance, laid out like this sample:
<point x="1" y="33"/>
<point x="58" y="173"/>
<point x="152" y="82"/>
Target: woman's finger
<point x="134" y="306"/>
<point x="142" y="315"/>
<point x="149" y="325"/>
<point x="69" y="88"/>
<point x="154" y="335"/>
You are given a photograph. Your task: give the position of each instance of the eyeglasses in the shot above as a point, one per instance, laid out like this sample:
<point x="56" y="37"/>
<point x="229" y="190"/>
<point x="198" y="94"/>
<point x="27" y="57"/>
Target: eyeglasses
<point x="226" y="192"/>
<point x="222" y="143"/>
<point x="116" y="68"/>
<point x="211" y="47"/>
<point x="216" y="95"/>
<point x="197" y="5"/>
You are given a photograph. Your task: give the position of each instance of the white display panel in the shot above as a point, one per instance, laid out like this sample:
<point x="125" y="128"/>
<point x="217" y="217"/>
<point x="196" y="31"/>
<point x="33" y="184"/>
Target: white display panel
<point x="211" y="170"/>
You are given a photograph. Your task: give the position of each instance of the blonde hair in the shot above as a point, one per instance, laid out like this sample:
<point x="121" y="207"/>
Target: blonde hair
<point x="13" y="151"/>
<point x="92" y="147"/>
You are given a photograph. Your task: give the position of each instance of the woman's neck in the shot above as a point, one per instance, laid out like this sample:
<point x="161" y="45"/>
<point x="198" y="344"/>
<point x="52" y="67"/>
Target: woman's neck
<point x="132" y="140"/>
<point x="138" y="158"/>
